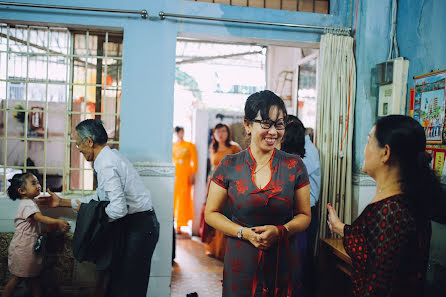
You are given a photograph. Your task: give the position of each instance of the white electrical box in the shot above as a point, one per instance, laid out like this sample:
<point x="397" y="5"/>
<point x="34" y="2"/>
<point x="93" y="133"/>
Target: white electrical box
<point x="392" y="78"/>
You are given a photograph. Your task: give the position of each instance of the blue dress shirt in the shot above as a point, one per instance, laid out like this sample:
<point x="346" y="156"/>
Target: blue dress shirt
<point x="311" y="161"/>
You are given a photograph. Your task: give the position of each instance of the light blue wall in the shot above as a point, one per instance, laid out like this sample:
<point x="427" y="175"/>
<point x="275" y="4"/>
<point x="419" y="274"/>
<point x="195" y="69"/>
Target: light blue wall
<point x="372" y="47"/>
<point x="149" y="54"/>
<point x="422" y="40"/>
<point x="422" y="36"/>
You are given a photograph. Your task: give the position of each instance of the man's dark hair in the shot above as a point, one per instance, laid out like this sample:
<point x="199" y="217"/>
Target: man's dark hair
<point x="93" y="129"/>
<point x="294" y="139"/>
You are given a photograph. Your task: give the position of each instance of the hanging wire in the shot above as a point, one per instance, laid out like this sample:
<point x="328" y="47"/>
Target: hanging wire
<point x="393" y="40"/>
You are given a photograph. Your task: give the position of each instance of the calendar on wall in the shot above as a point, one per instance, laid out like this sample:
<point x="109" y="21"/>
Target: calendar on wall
<point x="429" y="105"/>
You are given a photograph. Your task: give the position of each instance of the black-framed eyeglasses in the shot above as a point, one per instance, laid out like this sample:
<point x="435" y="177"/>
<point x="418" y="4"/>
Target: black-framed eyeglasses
<point x="267" y="124"/>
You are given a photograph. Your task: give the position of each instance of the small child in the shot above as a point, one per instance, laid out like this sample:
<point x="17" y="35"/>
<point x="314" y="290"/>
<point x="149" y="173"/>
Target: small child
<point x="23" y="262"/>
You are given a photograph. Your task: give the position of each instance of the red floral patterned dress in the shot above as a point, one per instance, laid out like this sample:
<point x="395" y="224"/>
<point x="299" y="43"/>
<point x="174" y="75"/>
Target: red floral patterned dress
<point x="251" y="206"/>
<point x="389" y="249"/>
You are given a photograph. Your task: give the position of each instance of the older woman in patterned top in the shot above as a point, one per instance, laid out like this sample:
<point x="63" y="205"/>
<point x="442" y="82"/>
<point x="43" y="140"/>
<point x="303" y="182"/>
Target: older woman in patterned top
<point x="389" y="242"/>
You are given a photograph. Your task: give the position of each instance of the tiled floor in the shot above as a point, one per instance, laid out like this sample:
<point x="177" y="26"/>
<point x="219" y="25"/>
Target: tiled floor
<point x="193" y="271"/>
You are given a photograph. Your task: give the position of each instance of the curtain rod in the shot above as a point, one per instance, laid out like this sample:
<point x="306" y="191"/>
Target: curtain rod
<point x="143" y="13"/>
<point x="163" y="15"/>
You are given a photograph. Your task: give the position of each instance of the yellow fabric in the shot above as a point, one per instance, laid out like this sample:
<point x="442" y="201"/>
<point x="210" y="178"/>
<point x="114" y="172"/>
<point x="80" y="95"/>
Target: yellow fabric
<point x="185" y="159"/>
<point x="218" y="156"/>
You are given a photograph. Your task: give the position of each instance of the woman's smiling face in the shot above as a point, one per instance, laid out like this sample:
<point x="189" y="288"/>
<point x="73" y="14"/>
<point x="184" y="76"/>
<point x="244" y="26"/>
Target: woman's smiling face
<point x="266" y="139"/>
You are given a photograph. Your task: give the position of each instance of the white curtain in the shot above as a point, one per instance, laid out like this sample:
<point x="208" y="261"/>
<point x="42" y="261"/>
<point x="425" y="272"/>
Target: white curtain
<point x="336" y="105"/>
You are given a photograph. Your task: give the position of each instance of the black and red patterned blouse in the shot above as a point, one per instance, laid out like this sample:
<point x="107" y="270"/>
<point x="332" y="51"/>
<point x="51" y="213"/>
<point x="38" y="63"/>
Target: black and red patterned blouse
<point x="251" y="206"/>
<point x="389" y="249"/>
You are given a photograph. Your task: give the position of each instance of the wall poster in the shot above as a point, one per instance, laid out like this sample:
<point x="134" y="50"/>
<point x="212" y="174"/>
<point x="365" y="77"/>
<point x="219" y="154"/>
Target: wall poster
<point x="429" y="105"/>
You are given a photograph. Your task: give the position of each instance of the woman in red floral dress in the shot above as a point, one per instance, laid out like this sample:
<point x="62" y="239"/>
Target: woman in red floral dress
<point x="269" y="194"/>
<point x="389" y="242"/>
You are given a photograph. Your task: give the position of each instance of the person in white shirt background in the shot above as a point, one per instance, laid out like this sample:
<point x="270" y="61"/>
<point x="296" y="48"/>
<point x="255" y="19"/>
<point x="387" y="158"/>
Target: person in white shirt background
<point x="130" y="206"/>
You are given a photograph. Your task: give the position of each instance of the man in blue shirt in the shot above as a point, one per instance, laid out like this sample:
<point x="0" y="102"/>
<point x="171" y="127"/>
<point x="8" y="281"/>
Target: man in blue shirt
<point x="293" y="143"/>
<point x="130" y="208"/>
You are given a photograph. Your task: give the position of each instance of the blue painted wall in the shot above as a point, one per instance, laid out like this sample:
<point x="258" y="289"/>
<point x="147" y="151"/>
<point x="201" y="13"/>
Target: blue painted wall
<point x="422" y="39"/>
<point x="422" y="36"/>
<point x="372" y="47"/>
<point x="149" y="54"/>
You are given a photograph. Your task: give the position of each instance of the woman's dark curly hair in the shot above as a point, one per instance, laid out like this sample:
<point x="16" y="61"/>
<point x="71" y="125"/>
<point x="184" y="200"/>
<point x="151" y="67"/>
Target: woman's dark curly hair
<point x="18" y="181"/>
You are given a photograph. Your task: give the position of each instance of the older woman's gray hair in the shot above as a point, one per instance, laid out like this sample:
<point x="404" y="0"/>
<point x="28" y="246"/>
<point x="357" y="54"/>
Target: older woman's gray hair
<point x="93" y="129"/>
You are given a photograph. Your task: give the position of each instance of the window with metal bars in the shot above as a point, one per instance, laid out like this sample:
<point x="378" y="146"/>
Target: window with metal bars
<point x="50" y="80"/>
<point x="316" y="6"/>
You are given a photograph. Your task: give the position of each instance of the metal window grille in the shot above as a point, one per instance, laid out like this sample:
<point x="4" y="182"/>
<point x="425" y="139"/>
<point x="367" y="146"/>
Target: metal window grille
<point x="50" y="80"/>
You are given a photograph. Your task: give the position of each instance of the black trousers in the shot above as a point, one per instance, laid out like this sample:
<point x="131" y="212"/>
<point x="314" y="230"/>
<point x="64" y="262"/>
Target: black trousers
<point x="309" y="268"/>
<point x="138" y="235"/>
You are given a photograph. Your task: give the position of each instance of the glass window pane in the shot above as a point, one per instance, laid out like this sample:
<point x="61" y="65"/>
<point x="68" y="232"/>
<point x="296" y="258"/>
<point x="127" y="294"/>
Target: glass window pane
<point x="80" y="44"/>
<point x="3" y="63"/>
<point x="2" y="125"/>
<point x="3" y="37"/>
<point x="17" y="66"/>
<point x="15" y="151"/>
<point x="93" y="45"/>
<point x="79" y="71"/>
<point x="91" y="71"/>
<point x="111" y="125"/>
<point x="36" y="92"/>
<point x="18" y="38"/>
<point x="79" y="93"/>
<point x="36" y="153"/>
<point x="56" y="121"/>
<point x="36" y="120"/>
<point x="113" y="75"/>
<point x="55" y="152"/>
<point x="38" y="40"/>
<point x="54" y="180"/>
<point x="37" y="67"/>
<point x="57" y="93"/>
<point x="57" y="69"/>
<point x="59" y="40"/>
<point x="16" y="119"/>
<point x="2" y="90"/>
<point x="114" y="49"/>
<point x="16" y="90"/>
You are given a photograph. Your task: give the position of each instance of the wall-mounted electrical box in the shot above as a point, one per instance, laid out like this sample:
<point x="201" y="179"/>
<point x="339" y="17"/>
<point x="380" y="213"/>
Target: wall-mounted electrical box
<point x="392" y="79"/>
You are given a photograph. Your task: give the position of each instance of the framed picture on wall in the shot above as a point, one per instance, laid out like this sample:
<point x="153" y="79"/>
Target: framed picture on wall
<point x="429" y="105"/>
<point x="438" y="153"/>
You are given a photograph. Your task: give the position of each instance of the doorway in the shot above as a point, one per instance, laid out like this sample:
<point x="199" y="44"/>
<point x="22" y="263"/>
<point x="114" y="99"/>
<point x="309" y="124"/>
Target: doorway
<point x="213" y="80"/>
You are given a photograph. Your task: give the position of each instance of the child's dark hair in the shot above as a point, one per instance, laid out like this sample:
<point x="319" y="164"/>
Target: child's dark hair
<point x="17" y="181"/>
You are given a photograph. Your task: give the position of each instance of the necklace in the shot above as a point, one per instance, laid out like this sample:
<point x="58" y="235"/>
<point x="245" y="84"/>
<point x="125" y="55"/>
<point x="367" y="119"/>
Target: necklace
<point x="260" y="168"/>
<point x="389" y="184"/>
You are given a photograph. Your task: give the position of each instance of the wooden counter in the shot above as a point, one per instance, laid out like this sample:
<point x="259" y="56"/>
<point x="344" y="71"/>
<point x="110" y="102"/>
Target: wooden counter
<point x="335" y="268"/>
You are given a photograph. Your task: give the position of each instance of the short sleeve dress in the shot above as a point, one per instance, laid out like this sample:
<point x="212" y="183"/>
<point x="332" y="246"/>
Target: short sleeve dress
<point x="251" y="206"/>
<point x="22" y="261"/>
<point x="389" y="248"/>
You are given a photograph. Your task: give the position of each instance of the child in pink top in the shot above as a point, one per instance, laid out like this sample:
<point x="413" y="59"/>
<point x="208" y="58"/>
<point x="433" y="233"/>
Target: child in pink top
<point x="23" y="262"/>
